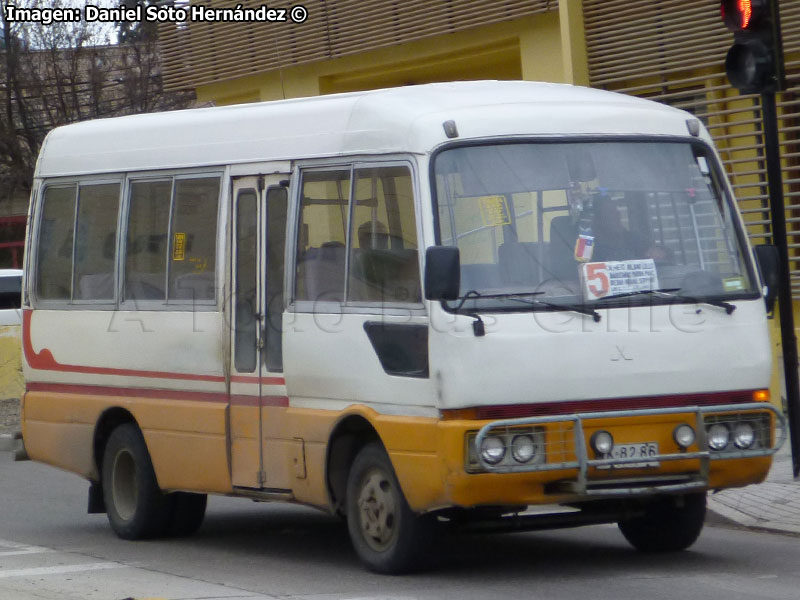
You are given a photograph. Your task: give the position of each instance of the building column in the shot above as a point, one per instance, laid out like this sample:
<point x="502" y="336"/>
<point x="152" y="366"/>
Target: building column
<point x="573" y="42"/>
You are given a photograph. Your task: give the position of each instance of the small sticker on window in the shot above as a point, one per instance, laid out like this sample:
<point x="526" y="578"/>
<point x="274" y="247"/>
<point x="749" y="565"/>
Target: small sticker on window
<point x="733" y="284"/>
<point x="494" y="211"/>
<point x="179" y="247"/>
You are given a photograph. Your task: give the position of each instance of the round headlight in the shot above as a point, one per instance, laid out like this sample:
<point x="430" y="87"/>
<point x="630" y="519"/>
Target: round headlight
<point x="523" y="448"/>
<point x="493" y="449"/>
<point x="744" y="435"/>
<point x="602" y="442"/>
<point x="718" y="436"/>
<point x="683" y="435"/>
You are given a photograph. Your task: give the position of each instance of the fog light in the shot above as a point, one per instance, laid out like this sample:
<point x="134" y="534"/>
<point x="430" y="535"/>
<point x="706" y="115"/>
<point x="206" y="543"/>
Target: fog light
<point x="493" y="449"/>
<point x="523" y="448"/>
<point x="718" y="436"/>
<point x="744" y="435"/>
<point x="602" y="442"/>
<point x="683" y="435"/>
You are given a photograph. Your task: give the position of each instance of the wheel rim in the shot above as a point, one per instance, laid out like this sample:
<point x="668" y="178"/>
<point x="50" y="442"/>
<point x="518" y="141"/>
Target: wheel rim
<point x="123" y="486"/>
<point x="377" y="510"/>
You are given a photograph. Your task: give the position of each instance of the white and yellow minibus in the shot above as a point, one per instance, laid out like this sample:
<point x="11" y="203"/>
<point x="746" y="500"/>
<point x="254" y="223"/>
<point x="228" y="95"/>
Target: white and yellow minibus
<point x="486" y="305"/>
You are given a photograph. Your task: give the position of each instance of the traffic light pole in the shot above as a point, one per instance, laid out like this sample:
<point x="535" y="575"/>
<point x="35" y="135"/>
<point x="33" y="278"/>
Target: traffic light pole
<point x="777" y="209"/>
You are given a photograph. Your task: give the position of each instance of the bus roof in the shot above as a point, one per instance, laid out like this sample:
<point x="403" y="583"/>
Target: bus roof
<point x="407" y="119"/>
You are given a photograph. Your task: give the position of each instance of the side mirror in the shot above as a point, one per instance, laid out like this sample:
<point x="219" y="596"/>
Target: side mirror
<point x="442" y="273"/>
<point x="769" y="264"/>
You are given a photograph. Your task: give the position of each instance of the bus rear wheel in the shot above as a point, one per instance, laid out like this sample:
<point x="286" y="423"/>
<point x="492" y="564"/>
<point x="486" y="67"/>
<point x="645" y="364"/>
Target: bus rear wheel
<point x="669" y="524"/>
<point x="136" y="507"/>
<point x="387" y="536"/>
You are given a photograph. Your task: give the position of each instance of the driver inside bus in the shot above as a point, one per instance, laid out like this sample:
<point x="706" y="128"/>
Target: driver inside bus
<point x="612" y="241"/>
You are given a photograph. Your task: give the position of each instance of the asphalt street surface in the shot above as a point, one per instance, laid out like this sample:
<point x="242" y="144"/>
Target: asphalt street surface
<point x="51" y="548"/>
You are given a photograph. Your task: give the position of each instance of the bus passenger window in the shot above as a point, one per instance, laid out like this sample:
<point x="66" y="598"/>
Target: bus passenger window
<point x="277" y="207"/>
<point x="383" y="256"/>
<point x="193" y="248"/>
<point x="146" y="250"/>
<point x="246" y="264"/>
<point x="54" y="255"/>
<point x="96" y="242"/>
<point x="321" y="247"/>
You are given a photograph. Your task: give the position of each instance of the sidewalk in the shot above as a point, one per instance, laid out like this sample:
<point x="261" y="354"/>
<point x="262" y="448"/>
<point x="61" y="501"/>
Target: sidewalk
<point x="772" y="506"/>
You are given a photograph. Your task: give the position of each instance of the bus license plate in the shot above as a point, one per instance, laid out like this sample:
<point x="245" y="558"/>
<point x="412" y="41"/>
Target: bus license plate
<point x="644" y="450"/>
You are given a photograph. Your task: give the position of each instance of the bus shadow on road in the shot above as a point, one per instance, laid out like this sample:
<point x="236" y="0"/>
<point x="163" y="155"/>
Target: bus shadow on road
<point x="296" y="534"/>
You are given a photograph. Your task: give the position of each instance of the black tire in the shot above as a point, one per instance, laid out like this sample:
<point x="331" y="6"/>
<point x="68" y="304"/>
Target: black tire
<point x="670" y="524"/>
<point x="188" y="511"/>
<point x="386" y="535"/>
<point x="135" y="506"/>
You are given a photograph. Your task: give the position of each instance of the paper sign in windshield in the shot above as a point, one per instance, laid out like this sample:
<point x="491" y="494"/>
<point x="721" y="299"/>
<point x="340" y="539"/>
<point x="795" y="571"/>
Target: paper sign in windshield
<point x="602" y="279"/>
<point x="494" y="211"/>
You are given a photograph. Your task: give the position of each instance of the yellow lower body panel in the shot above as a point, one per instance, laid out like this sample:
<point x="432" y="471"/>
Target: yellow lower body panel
<point x="195" y="446"/>
<point x="187" y="440"/>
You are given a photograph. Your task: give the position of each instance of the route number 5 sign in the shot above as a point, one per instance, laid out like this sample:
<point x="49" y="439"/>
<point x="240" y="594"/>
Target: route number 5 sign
<point x="602" y="279"/>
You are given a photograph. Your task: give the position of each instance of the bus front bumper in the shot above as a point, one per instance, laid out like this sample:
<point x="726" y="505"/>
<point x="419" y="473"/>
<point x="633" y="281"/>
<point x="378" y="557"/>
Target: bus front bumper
<point x="567" y="467"/>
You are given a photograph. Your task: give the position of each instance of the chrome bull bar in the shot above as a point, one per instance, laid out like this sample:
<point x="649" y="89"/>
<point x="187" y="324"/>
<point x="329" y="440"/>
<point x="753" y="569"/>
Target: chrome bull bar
<point x="638" y="484"/>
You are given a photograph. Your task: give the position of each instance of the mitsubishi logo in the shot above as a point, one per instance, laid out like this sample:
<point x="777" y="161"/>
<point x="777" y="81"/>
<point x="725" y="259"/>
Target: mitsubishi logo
<point x="620" y="355"/>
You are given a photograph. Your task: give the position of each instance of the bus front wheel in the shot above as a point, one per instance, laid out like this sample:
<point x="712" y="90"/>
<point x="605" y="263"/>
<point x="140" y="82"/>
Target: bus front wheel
<point x="668" y="524"/>
<point x="387" y="536"/>
<point x="135" y="505"/>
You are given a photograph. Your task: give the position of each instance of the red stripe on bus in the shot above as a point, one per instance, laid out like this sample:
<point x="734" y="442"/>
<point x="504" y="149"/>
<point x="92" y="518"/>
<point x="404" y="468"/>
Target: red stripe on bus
<point x="162" y="394"/>
<point x="44" y="361"/>
<point x="254" y="380"/>
<point x="514" y="411"/>
<point x="124" y="392"/>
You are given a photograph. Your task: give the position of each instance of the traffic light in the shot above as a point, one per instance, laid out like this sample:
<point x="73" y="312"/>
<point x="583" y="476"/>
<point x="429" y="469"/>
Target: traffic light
<point x="755" y="61"/>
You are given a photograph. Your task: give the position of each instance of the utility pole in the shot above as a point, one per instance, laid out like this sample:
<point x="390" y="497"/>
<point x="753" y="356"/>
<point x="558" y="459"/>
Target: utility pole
<point x="754" y="65"/>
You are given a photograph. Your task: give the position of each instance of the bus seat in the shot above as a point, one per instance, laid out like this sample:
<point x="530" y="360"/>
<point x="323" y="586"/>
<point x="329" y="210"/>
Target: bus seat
<point x="324" y="272"/>
<point x="144" y="286"/>
<point x="96" y="286"/>
<point x="193" y="286"/>
<point x="561" y="254"/>
<point x="385" y="275"/>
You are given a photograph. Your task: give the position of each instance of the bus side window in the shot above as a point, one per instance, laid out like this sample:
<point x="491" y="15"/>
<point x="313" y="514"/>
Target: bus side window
<point x="56" y="233"/>
<point x="95" y="242"/>
<point x="146" y="248"/>
<point x="321" y="247"/>
<point x="383" y="257"/>
<point x="193" y="250"/>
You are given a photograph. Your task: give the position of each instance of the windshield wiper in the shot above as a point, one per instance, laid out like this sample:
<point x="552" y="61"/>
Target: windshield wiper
<point x="668" y="292"/>
<point x="478" y="326"/>
<point x="521" y="297"/>
<point x="584" y="310"/>
<point x="662" y="291"/>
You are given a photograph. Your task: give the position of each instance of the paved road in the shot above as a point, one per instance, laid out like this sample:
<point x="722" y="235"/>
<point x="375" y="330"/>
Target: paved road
<point x="51" y="549"/>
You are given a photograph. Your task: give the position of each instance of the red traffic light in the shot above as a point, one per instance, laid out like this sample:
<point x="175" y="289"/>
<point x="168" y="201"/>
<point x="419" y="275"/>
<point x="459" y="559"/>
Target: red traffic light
<point x="754" y="63"/>
<point x="738" y="14"/>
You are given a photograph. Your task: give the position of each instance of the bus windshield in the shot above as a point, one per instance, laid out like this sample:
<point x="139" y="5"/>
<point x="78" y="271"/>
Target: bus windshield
<point x="586" y="222"/>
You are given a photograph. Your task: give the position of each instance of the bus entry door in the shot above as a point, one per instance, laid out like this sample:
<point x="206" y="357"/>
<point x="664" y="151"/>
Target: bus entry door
<point x="257" y="385"/>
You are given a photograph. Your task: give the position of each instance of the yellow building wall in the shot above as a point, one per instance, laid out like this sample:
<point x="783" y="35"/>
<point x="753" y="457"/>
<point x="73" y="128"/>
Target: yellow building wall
<point x="546" y="47"/>
<point x="11" y="382"/>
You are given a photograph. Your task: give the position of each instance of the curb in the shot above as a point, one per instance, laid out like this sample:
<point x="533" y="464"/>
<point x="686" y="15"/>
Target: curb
<point x="741" y="519"/>
<point x="14" y="444"/>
